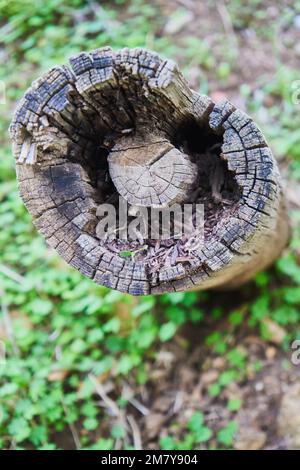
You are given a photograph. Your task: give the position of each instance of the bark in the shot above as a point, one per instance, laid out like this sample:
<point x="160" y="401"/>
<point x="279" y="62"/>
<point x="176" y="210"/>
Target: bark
<point x="127" y="123"/>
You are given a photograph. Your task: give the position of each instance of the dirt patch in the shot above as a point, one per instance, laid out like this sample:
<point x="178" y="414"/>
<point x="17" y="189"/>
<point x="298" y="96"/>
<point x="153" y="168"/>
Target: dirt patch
<point x="180" y="381"/>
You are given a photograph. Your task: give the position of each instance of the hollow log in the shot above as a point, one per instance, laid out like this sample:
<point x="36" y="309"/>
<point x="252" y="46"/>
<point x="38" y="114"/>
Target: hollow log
<point x="126" y="123"/>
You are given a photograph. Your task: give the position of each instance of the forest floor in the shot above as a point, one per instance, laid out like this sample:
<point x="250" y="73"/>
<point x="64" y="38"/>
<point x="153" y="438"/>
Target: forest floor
<point x="266" y="396"/>
<point x="89" y="368"/>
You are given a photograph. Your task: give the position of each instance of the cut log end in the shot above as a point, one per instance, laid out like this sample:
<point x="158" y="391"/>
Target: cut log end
<point x="151" y="171"/>
<point x="127" y="124"/>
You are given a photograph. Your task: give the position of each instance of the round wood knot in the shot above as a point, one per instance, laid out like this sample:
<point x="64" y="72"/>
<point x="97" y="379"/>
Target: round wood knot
<point x="150" y="171"/>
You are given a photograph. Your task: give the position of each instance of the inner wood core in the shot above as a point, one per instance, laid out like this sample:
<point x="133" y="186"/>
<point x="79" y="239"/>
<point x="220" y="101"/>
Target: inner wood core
<point x="150" y="171"/>
<point x="136" y="159"/>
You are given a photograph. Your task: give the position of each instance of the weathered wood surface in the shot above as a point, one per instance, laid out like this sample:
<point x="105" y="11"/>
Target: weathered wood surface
<point x="149" y="171"/>
<point x="127" y="120"/>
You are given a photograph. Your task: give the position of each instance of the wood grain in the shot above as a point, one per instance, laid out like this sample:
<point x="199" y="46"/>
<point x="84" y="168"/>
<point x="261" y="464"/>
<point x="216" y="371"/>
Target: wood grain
<point x="123" y="120"/>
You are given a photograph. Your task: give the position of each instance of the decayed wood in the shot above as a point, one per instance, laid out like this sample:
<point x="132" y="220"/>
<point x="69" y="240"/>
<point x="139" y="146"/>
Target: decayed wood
<point x="127" y="123"/>
<point x="149" y="171"/>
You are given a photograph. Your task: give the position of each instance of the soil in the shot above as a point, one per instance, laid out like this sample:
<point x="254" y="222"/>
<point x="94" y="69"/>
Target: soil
<point x="184" y="369"/>
<point x="180" y="376"/>
<point x="181" y="383"/>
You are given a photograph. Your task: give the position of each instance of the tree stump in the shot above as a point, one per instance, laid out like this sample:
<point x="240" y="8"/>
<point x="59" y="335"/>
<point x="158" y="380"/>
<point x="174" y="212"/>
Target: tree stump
<point x="126" y="123"/>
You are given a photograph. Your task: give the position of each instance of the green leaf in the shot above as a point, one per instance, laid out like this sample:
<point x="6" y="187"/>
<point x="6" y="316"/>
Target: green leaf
<point x="102" y="444"/>
<point x="196" y="421"/>
<point x="236" y="358"/>
<point x="227" y="377"/>
<point x="40" y="307"/>
<point x="226" y="435"/>
<point x="143" y="306"/>
<point x="167" y="331"/>
<point x="234" y="404"/>
<point x="236" y="318"/>
<point x="196" y="315"/>
<point x="38" y="435"/>
<point x="214" y="390"/>
<point x="8" y="389"/>
<point x="126" y="253"/>
<point x="89" y="409"/>
<point x="176" y="314"/>
<point x="127" y="362"/>
<point x="90" y="424"/>
<point x="19" y="429"/>
<point x="203" y="434"/>
<point x="292" y="295"/>
<point x="168" y="443"/>
<point x="112" y="326"/>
